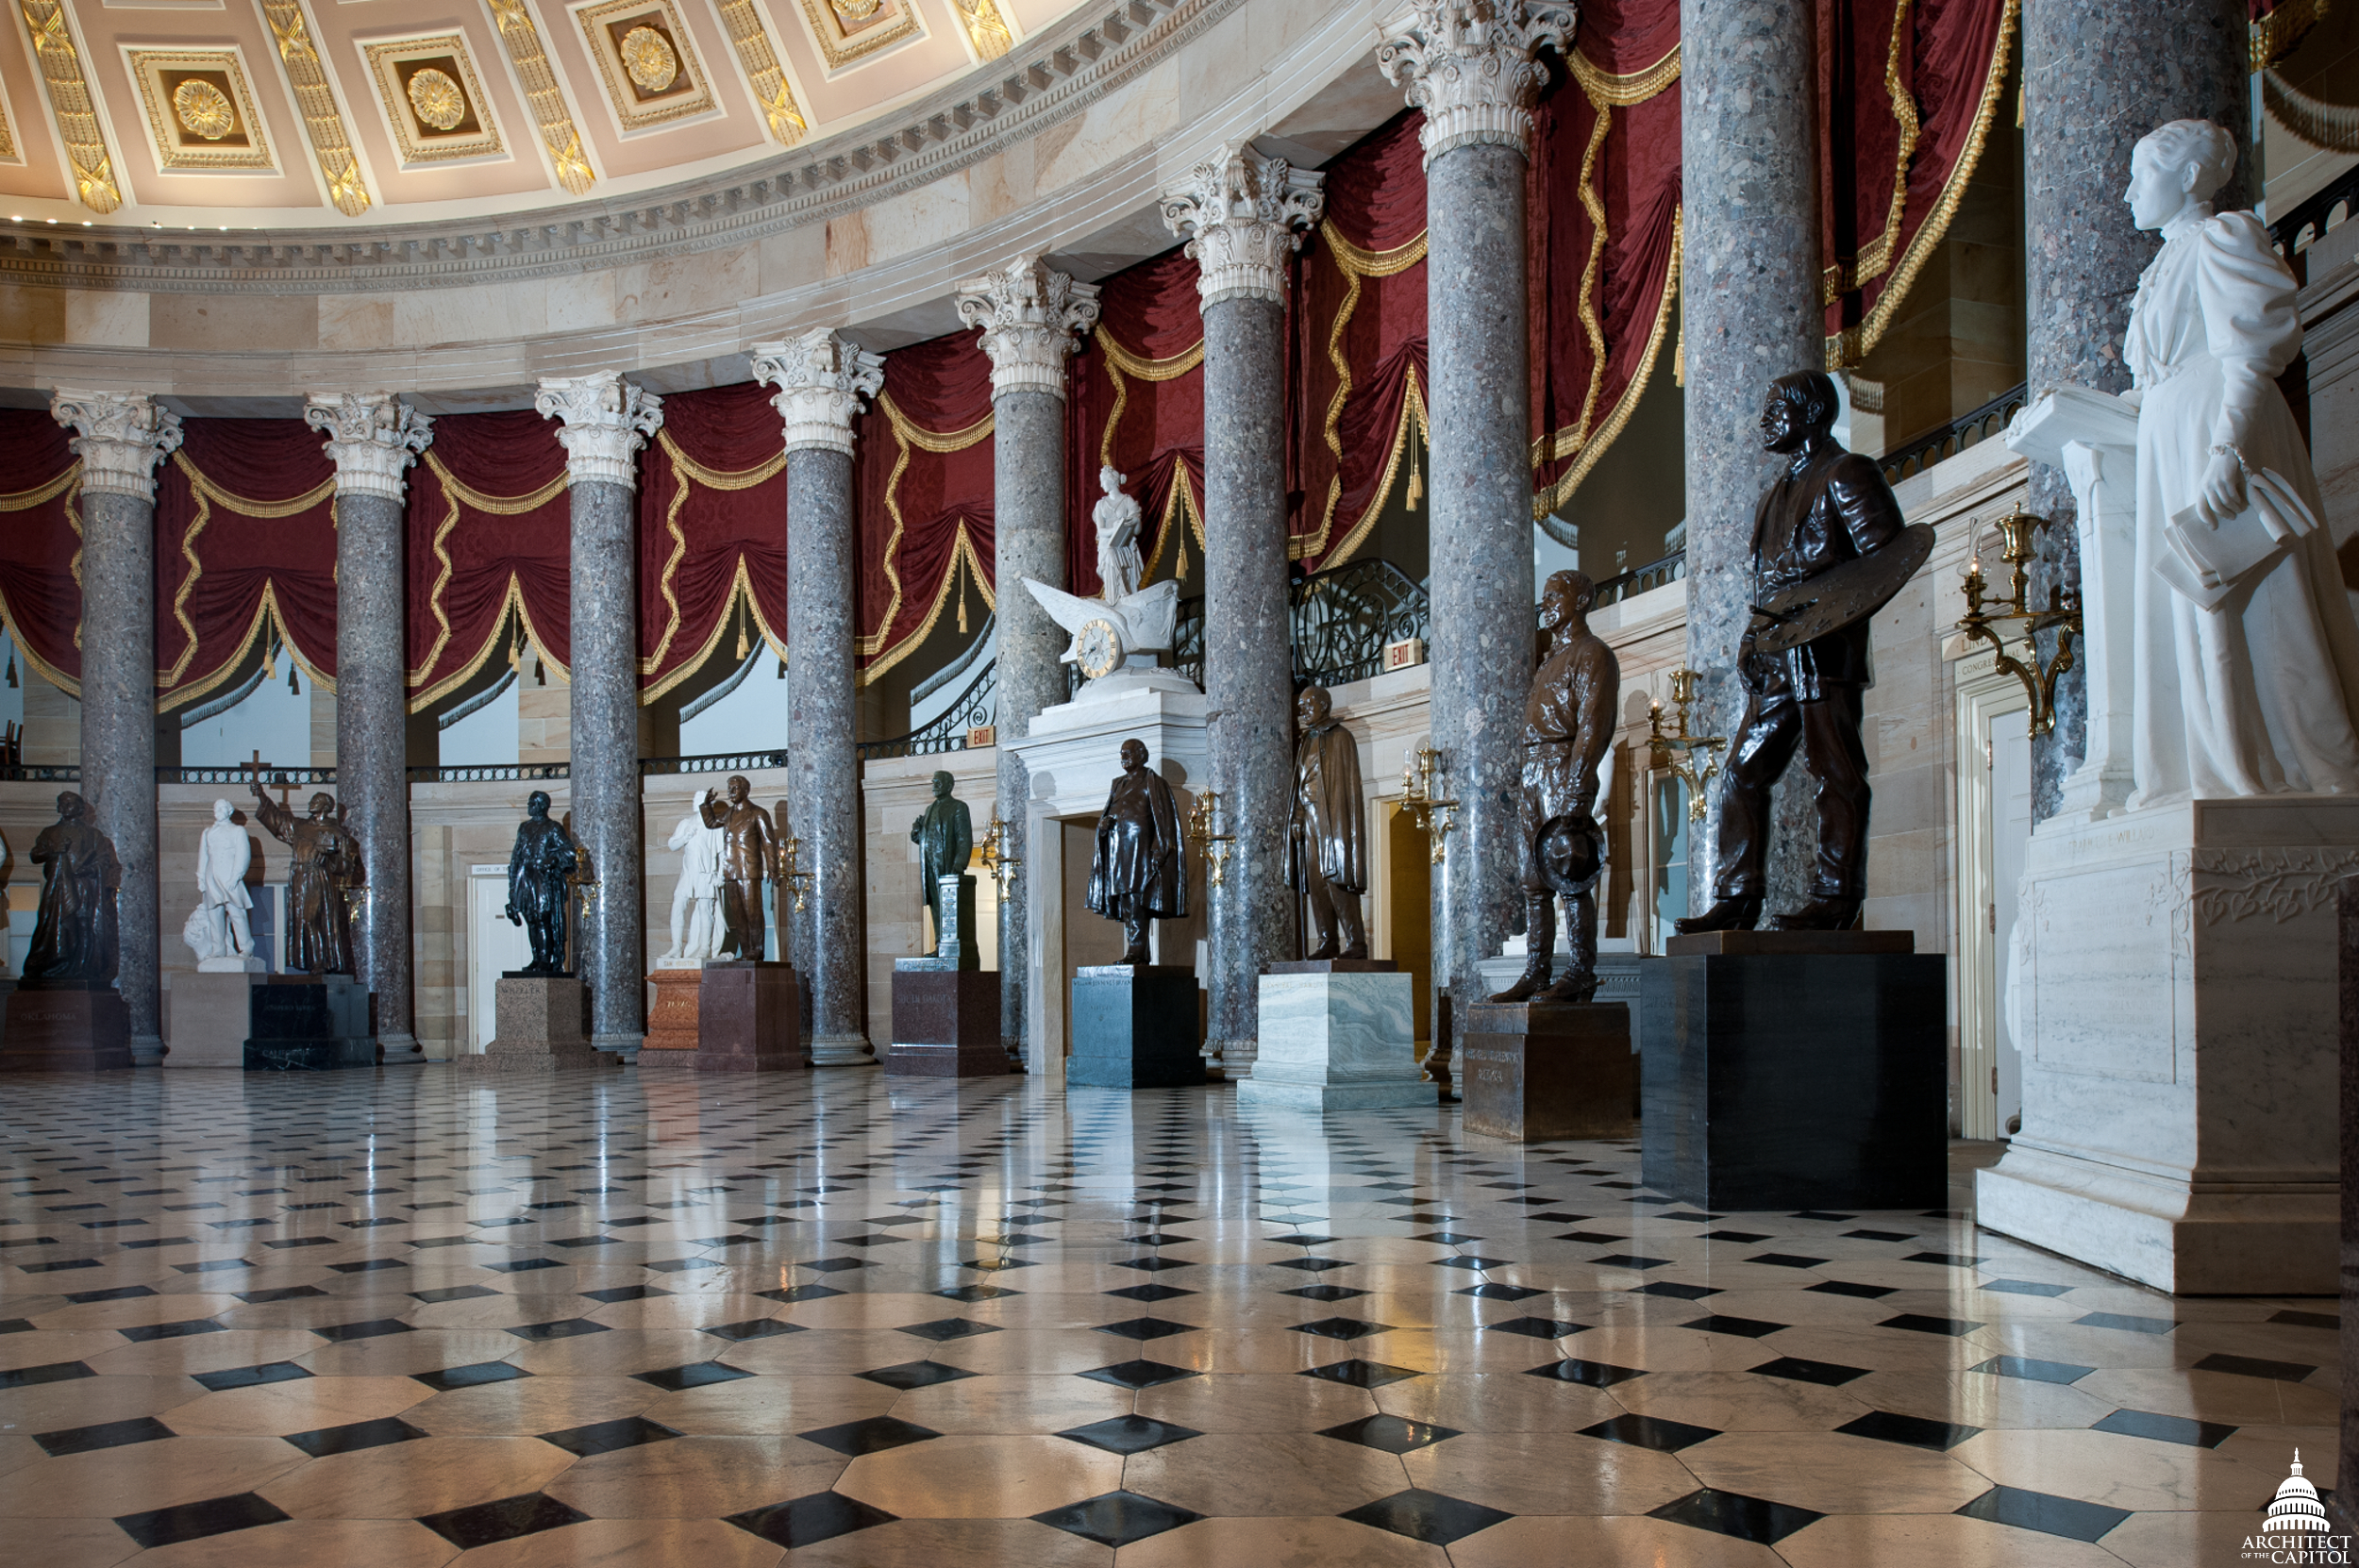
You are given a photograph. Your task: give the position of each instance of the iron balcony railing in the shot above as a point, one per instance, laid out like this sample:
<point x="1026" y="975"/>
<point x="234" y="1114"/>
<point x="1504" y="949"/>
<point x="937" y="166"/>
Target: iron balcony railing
<point x="1971" y="430"/>
<point x="977" y="708"/>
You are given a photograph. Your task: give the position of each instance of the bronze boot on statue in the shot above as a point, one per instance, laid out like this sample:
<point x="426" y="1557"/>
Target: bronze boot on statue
<point x="1579" y="983"/>
<point x="1820" y="915"/>
<point x="1737" y="913"/>
<point x="1540" y="941"/>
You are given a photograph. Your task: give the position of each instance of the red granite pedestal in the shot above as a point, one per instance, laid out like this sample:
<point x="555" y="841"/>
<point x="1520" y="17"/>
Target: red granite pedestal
<point x="671" y="1044"/>
<point x="1530" y="1071"/>
<point x="748" y="1019"/>
<point x="65" y="1031"/>
<point x="946" y="1022"/>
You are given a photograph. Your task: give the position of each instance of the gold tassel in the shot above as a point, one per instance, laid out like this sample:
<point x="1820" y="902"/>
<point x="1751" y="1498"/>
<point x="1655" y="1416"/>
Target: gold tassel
<point x="962" y="604"/>
<point x="270" y="659"/>
<point x="743" y="646"/>
<point x="1416" y="477"/>
<point x="1182" y="569"/>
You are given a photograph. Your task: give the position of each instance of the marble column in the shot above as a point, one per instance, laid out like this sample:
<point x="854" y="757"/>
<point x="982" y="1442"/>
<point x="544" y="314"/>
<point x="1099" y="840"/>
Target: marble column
<point x="2097" y="75"/>
<point x="1241" y="215"/>
<point x="120" y="437"/>
<point x="822" y="383"/>
<point x="606" y="421"/>
<point x="1032" y="319"/>
<point x="1472" y="66"/>
<point x="1748" y="165"/>
<point x="372" y="438"/>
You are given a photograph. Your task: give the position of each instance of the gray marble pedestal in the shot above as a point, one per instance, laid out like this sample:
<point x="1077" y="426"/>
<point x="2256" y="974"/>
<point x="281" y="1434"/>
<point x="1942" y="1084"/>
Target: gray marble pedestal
<point x="1136" y="1027"/>
<point x="1336" y="1038"/>
<point x="206" y="1017"/>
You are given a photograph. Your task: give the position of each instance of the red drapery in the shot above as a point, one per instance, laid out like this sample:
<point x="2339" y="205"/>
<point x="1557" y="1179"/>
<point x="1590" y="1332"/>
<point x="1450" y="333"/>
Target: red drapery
<point x="488" y="527"/>
<point x="41" y="544"/>
<point x="922" y="490"/>
<point x="245" y="536"/>
<point x="1135" y="400"/>
<point x="712" y="532"/>
<point x="1603" y="234"/>
<point x="1912" y="87"/>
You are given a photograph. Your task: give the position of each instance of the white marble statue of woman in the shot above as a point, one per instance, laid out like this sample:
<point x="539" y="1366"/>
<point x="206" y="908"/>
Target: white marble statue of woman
<point x="2255" y="694"/>
<point x="223" y="854"/>
<point x="1119" y="566"/>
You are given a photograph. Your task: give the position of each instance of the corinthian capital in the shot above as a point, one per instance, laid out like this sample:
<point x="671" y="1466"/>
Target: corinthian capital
<point x="120" y="437"/>
<point x="822" y="382"/>
<point x="1032" y="319"/>
<point x="1240" y="213"/>
<point x="372" y="439"/>
<point x="607" y="420"/>
<point x="1471" y="66"/>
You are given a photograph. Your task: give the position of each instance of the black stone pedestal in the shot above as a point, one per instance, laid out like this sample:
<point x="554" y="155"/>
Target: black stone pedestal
<point x="1530" y="1071"/>
<point x="308" y="1023"/>
<point x="1135" y="1027"/>
<point x="1790" y="1072"/>
<point x="945" y="1021"/>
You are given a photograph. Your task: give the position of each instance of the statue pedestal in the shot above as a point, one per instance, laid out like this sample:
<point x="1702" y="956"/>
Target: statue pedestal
<point x="1797" y="1070"/>
<point x="672" y="1022"/>
<point x="1337" y="1035"/>
<point x="538" y="1022"/>
<point x="749" y="1018"/>
<point x="307" y="1022"/>
<point x="207" y="1016"/>
<point x="1135" y="1027"/>
<point x="955" y="942"/>
<point x="945" y="1020"/>
<point x="2175" y="1001"/>
<point x="65" y="1031"/>
<point x="1619" y="966"/>
<point x="1529" y="1072"/>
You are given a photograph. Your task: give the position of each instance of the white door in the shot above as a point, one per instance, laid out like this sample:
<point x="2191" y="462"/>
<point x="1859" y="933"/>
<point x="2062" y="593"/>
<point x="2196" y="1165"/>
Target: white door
<point x="493" y="945"/>
<point x="2010" y="833"/>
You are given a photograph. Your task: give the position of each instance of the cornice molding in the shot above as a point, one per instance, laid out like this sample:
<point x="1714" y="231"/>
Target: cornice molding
<point x="1059" y="74"/>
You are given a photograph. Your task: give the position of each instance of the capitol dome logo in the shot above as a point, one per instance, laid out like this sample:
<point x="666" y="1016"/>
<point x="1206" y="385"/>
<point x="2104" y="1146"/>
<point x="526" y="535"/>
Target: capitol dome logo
<point x="2296" y="1529"/>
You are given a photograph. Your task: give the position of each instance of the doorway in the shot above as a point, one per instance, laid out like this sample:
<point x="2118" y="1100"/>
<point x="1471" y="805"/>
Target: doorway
<point x="1994" y="739"/>
<point x="1408" y="926"/>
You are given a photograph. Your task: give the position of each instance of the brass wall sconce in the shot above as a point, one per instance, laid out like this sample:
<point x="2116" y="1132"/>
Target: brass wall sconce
<point x="1002" y="865"/>
<point x="1424" y="789"/>
<point x="2017" y="614"/>
<point x="794" y="875"/>
<point x="1204" y="835"/>
<point x="1676" y="752"/>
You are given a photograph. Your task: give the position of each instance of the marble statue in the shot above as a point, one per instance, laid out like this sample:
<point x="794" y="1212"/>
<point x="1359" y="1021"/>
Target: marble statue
<point x="1327" y="848"/>
<point x="1119" y="565"/>
<point x="1121" y="635"/>
<point x="697" y="929"/>
<point x="2245" y="652"/>
<point x="944" y="835"/>
<point x="540" y="885"/>
<point x="1829" y="507"/>
<point x="220" y="931"/>
<point x="1568" y="730"/>
<point x="751" y="854"/>
<point x="1136" y="875"/>
<point x="324" y="860"/>
<point x="75" y="944"/>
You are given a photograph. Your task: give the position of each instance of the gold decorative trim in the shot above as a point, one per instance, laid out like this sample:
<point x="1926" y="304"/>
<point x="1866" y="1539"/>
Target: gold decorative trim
<point x="67" y="480"/>
<point x="1355" y="264"/>
<point x="759" y="62"/>
<point x="454" y="492"/>
<point x="1180" y="499"/>
<point x="1120" y="362"/>
<point x="70" y="102"/>
<point x="415" y="77"/>
<point x="631" y="39"/>
<point x="907" y="434"/>
<point x="687" y="471"/>
<point x="200" y="109"/>
<point x="1585" y="453"/>
<point x="549" y="111"/>
<point x="986" y="28"/>
<point x="8" y="136"/>
<point x="267" y="612"/>
<point x="847" y="39"/>
<point x="2274" y="37"/>
<point x="1875" y="258"/>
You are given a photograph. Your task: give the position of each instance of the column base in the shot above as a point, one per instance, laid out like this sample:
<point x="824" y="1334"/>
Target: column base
<point x="627" y="1046"/>
<point x="841" y="1050"/>
<point x="2270" y="1239"/>
<point x="147" y="1050"/>
<point x="400" y="1050"/>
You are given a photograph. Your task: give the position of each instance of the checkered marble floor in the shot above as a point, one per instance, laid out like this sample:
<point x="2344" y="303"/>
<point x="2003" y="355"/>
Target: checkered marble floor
<point x="400" y="1318"/>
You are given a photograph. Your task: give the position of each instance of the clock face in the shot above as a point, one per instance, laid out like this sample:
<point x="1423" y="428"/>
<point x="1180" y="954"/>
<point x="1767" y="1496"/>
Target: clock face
<point x="1097" y="649"/>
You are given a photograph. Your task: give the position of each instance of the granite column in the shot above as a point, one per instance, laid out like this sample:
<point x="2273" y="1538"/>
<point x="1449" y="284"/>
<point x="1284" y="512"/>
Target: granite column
<point x="1240" y="213"/>
<point x="372" y="438"/>
<point x="1748" y="144"/>
<point x="606" y="421"/>
<point x="822" y="383"/>
<point x="1032" y="319"/>
<point x="120" y="437"/>
<point x="1471" y="65"/>
<point x="2097" y="75"/>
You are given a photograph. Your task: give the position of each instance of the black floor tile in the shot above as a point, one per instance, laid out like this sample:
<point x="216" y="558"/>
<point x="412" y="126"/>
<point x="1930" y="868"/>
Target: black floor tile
<point x="2252" y="1366"/>
<point x="248" y="1376"/>
<point x="470" y="1376"/>
<point x="1362" y="1374"/>
<point x="1491" y="1291"/>
<point x="607" y="1436"/>
<point x="563" y="1328"/>
<point x="1675" y="1291"/>
<point x="808" y="1521"/>
<point x="1341" y="1328"/>
<point x="1130" y="1434"/>
<point x="1140" y="1374"/>
<point x="1733" y="1514"/>
<point x="1390" y="1433"/>
<point x="871" y="1435"/>
<point x="1427" y="1516"/>
<point x="1537" y="1328"/>
<point x="991" y="1292"/>
<point x="343" y="1333"/>
<point x="107" y="1434"/>
<point x="505" y="1520"/>
<point x="2167" y="1429"/>
<point x="1956" y="1329"/>
<point x="1325" y="1292"/>
<point x="1596" y="1375"/>
<point x="625" y="1293"/>
<point x="452" y="1293"/>
<point x="792" y="1293"/>
<point x="1740" y="1237"/>
<point x="2024" y="1287"/>
<point x="125" y="1292"/>
<point x="916" y="1374"/>
<point x="696" y="1375"/>
<point x="56" y="1372"/>
<point x="1647" y="1431"/>
<point x="1845" y="1286"/>
<point x="2032" y="1370"/>
<point x="1832" y="1375"/>
<point x="1785" y="1261"/>
<point x="941" y="1330"/>
<point x="141" y="1333"/>
<point x="1146" y="1328"/>
<point x="195" y="1521"/>
<point x="754" y="1329"/>
<point x="1722" y="1323"/>
<point x="2067" y="1517"/>
<point x="1914" y="1431"/>
<point x="1311" y="1265"/>
<point x="353" y="1438"/>
<point x="2307" y="1320"/>
<point x="1117" y="1518"/>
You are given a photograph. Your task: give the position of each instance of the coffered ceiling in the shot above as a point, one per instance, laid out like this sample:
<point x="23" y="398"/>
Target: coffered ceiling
<point x="209" y="114"/>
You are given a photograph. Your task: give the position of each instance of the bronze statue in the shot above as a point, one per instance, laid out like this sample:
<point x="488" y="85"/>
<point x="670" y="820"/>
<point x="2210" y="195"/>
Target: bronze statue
<point x="1830" y="507"/>
<point x="945" y="839"/>
<point x="1327" y="848"/>
<point x="1569" y="728"/>
<point x="75" y="944"/>
<point x="1135" y="871"/>
<point x="749" y="857"/>
<point x="325" y="860"/>
<point x="540" y="884"/>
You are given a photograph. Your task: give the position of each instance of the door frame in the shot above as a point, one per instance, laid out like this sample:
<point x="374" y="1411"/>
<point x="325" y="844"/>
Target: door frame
<point x="1984" y="692"/>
